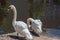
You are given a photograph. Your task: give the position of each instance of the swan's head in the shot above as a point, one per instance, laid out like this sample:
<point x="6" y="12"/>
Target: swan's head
<point x="27" y="34"/>
<point x="11" y="7"/>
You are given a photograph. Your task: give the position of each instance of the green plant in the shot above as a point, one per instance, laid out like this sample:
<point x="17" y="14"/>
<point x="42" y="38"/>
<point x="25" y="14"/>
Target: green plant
<point x="3" y="9"/>
<point x="4" y="5"/>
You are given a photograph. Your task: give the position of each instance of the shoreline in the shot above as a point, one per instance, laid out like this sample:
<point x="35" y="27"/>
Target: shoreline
<point x="42" y="37"/>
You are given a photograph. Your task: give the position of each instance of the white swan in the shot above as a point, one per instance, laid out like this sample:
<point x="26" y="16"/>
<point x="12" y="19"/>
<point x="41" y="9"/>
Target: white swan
<point x="36" y="25"/>
<point x="20" y="26"/>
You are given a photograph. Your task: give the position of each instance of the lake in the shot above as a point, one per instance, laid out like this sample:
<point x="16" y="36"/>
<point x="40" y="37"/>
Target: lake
<point x="52" y="32"/>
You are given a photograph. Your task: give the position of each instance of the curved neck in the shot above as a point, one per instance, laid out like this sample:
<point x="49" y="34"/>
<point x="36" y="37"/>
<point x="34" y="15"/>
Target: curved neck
<point x="15" y="14"/>
<point x="28" y="21"/>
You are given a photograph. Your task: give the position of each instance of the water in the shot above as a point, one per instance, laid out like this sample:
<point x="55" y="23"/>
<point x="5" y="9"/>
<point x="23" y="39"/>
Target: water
<point x="2" y="31"/>
<point x="52" y="32"/>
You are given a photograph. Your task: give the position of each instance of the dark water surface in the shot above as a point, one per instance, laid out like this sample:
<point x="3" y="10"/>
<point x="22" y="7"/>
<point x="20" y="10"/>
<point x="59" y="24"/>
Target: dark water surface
<point x="52" y="32"/>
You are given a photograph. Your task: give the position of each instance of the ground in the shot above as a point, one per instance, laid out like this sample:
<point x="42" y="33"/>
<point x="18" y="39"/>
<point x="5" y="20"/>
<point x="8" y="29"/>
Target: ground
<point x="12" y="36"/>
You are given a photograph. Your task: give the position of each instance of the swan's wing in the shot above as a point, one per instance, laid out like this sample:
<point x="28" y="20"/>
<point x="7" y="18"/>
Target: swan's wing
<point x="19" y="26"/>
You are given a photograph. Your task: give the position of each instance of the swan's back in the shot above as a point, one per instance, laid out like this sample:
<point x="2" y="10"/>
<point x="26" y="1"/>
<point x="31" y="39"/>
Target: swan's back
<point x="37" y="21"/>
<point x="21" y="24"/>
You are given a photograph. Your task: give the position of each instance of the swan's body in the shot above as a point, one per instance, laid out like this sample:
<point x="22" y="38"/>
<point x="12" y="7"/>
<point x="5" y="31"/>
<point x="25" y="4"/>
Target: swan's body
<point x="36" y="25"/>
<point x="20" y="26"/>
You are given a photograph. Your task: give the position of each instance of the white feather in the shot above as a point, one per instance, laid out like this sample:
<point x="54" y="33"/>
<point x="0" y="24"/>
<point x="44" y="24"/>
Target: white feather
<point x="36" y="25"/>
<point x="20" y="26"/>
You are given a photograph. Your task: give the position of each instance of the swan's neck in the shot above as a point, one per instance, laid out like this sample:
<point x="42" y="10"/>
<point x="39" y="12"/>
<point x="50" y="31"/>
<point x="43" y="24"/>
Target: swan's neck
<point x="15" y="15"/>
<point x="28" y="22"/>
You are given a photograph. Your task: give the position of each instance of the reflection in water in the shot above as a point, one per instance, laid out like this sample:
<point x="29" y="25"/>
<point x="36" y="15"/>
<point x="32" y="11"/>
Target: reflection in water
<point x="52" y="32"/>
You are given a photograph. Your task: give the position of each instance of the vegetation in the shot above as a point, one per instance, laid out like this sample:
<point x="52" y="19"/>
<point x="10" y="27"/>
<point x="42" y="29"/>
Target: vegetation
<point x="3" y="10"/>
<point x="30" y="4"/>
<point x="3" y="16"/>
<point x="37" y="9"/>
<point x="56" y="2"/>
